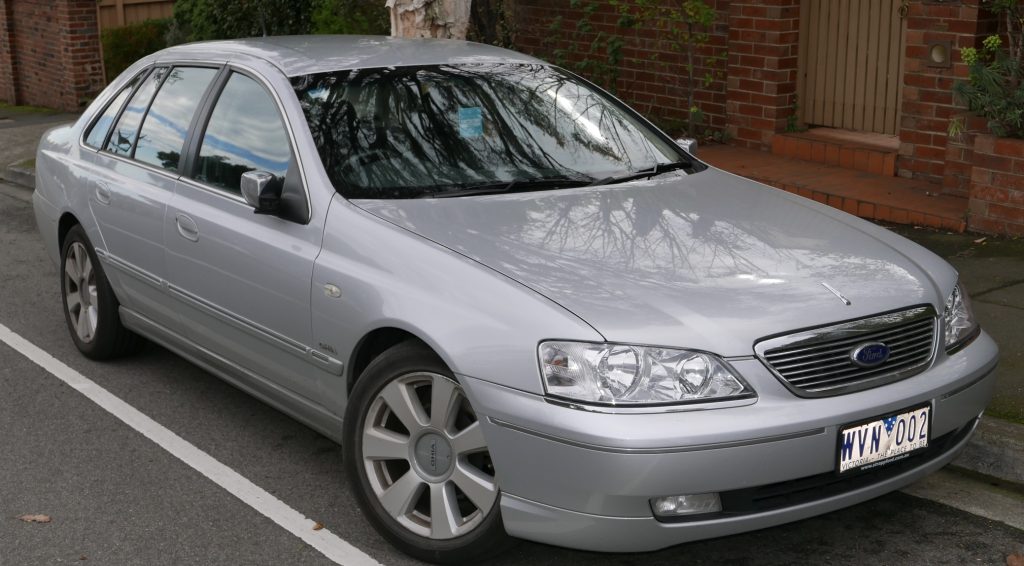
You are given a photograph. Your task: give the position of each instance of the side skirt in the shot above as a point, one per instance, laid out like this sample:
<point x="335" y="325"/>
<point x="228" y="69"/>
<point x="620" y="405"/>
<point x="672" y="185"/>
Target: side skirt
<point x="311" y="415"/>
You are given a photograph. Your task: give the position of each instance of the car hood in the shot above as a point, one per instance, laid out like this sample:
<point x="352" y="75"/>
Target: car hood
<point x="708" y="261"/>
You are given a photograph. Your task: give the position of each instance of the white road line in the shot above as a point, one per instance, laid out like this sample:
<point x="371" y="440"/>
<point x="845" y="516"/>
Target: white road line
<point x="329" y="544"/>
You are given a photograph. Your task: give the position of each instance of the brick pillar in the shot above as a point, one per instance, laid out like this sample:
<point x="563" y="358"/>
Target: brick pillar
<point x="928" y="104"/>
<point x="762" y="69"/>
<point x="8" y="89"/>
<point x="80" y="52"/>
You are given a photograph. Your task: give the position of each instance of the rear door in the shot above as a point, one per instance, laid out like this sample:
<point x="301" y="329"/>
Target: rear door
<point x="132" y="178"/>
<point x="242" y="280"/>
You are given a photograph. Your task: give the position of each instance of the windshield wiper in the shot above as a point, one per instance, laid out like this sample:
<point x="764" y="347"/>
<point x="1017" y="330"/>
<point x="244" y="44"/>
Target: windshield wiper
<point x="657" y="169"/>
<point x="517" y="186"/>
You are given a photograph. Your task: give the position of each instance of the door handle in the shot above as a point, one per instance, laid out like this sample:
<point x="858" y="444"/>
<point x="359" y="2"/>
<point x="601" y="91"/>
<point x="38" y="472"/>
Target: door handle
<point x="187" y="227"/>
<point x="102" y="193"/>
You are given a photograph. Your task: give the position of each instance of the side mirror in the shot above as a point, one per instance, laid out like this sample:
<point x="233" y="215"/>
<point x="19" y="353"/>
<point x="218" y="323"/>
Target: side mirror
<point x="261" y="191"/>
<point x="688" y="144"/>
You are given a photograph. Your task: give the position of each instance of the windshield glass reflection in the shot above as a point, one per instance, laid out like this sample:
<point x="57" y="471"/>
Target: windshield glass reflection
<point x="408" y="131"/>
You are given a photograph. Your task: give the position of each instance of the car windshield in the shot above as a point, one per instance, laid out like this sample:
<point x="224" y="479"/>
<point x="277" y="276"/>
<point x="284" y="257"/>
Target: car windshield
<point x="409" y="132"/>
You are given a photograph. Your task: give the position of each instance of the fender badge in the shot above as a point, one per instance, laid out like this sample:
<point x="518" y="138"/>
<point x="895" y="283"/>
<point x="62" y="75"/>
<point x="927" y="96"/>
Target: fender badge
<point x="332" y="291"/>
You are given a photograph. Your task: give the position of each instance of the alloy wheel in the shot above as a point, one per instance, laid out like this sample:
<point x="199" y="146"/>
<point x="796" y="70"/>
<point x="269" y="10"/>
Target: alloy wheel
<point x="80" y="295"/>
<point x="425" y="457"/>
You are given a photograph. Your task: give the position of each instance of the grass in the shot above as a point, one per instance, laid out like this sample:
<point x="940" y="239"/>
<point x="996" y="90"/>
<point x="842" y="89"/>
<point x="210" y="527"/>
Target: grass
<point x="8" y="110"/>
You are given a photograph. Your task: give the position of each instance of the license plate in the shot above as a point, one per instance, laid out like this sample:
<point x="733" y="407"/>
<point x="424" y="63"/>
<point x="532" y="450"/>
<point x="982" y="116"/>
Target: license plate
<point x="882" y="441"/>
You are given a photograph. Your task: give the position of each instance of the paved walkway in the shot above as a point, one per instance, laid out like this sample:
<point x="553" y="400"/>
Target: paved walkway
<point x="889" y="199"/>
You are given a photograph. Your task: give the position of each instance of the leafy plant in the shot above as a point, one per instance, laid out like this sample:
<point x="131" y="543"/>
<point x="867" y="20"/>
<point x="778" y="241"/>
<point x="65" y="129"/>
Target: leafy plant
<point x="592" y="53"/>
<point x="196" y="20"/>
<point x="686" y="28"/>
<point x="994" y="88"/>
<point x="366" y="17"/>
<point x="127" y="44"/>
<point x="491" y="22"/>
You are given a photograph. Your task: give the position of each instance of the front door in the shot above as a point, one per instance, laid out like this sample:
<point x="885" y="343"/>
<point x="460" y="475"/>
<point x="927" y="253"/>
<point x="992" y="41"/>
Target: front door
<point x="851" y="56"/>
<point x="243" y="279"/>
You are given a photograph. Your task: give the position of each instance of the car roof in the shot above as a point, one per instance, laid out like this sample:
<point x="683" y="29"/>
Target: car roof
<point x="305" y="54"/>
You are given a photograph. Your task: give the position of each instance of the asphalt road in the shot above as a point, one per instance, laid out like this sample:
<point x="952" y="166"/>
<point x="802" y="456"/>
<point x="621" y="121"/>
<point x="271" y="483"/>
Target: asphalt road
<point x="116" y="497"/>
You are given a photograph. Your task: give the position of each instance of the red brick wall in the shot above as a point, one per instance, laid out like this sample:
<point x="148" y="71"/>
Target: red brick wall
<point x="53" y="50"/>
<point x="997" y="186"/>
<point x="652" y="76"/>
<point x="7" y="70"/>
<point x="928" y="104"/>
<point x="763" y="58"/>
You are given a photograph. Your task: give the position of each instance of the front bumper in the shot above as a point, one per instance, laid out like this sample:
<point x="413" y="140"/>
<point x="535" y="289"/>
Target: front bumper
<point x="584" y="479"/>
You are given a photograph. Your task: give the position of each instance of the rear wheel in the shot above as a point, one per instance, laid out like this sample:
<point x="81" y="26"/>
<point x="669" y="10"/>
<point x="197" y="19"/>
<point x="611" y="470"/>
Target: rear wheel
<point x="90" y="307"/>
<point x="417" y="459"/>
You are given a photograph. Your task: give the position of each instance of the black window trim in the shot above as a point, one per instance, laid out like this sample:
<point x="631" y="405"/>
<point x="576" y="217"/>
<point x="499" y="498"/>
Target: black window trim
<point x="145" y="114"/>
<point x="198" y="127"/>
<point x="117" y="119"/>
<point x="210" y="87"/>
<point x="197" y="130"/>
<point x="144" y="73"/>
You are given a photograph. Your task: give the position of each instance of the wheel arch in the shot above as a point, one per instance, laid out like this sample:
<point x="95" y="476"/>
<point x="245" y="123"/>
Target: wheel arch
<point x="64" y="225"/>
<point x="375" y="343"/>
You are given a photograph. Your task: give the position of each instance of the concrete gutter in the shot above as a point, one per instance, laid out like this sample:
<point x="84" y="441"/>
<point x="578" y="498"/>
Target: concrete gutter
<point x="20" y="174"/>
<point x="995" y="450"/>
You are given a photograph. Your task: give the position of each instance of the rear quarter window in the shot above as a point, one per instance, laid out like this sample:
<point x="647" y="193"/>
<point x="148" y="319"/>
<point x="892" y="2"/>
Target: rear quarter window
<point x="98" y="131"/>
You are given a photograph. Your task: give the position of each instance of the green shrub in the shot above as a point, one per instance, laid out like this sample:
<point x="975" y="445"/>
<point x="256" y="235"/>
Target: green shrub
<point x="197" y="20"/>
<point x="366" y="17"/>
<point x="994" y="88"/>
<point x="127" y="44"/>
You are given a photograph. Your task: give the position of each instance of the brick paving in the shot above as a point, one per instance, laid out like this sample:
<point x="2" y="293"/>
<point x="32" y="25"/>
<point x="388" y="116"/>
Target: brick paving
<point x="871" y="196"/>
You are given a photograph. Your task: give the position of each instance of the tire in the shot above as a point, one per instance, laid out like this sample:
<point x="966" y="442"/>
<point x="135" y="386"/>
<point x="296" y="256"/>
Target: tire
<point x="90" y="307"/>
<point x="423" y="478"/>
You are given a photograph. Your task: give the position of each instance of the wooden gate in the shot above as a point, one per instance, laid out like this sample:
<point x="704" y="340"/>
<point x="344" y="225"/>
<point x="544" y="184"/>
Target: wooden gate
<point x="116" y="13"/>
<point x="851" y="64"/>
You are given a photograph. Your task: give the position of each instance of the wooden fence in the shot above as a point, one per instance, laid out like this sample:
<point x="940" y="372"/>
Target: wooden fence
<point x="116" y="13"/>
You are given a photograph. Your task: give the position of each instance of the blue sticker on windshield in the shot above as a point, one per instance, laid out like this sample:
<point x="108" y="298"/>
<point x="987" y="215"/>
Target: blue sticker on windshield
<point x="471" y="122"/>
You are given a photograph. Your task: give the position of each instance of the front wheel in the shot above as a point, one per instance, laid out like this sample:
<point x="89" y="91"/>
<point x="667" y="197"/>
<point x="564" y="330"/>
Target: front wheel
<point x="416" y="458"/>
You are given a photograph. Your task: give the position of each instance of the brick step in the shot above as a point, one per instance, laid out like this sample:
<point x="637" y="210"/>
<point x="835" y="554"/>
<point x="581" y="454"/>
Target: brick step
<point x="860" y="151"/>
<point x="875" y="197"/>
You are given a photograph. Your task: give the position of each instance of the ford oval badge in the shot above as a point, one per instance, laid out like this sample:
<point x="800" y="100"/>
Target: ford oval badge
<point x="870" y="354"/>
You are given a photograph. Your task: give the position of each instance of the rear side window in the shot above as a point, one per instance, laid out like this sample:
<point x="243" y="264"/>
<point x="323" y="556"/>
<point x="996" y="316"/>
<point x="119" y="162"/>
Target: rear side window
<point x="245" y="133"/>
<point x="166" y="124"/>
<point x="122" y="139"/>
<point x="101" y="126"/>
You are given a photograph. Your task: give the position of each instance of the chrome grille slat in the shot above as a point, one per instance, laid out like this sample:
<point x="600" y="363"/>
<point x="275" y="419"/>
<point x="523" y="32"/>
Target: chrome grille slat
<point x="841" y="382"/>
<point x="916" y="341"/>
<point x="924" y="324"/>
<point x="817" y="362"/>
<point x="854" y="369"/>
<point x="897" y="353"/>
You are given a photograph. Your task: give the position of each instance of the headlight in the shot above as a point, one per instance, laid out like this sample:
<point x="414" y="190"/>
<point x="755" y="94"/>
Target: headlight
<point x="619" y="374"/>
<point x="958" y="320"/>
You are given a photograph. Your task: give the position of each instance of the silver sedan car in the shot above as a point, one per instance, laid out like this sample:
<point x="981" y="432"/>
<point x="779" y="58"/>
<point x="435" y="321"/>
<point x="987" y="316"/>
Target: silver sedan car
<point x="522" y="309"/>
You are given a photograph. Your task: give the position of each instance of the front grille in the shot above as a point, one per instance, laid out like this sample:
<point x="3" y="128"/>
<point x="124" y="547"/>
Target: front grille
<point x="818" y="362"/>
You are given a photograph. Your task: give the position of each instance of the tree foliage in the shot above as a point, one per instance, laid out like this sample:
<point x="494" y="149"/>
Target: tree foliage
<point x="197" y="20"/>
<point x="125" y="45"/>
<point x="994" y="88"/>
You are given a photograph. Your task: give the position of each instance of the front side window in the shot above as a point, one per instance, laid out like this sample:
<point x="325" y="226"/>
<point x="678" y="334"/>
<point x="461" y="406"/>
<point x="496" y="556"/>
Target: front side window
<point x="406" y="132"/>
<point x="101" y="126"/>
<point x="166" y="124"/>
<point x="245" y="133"/>
<point x="122" y="139"/>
